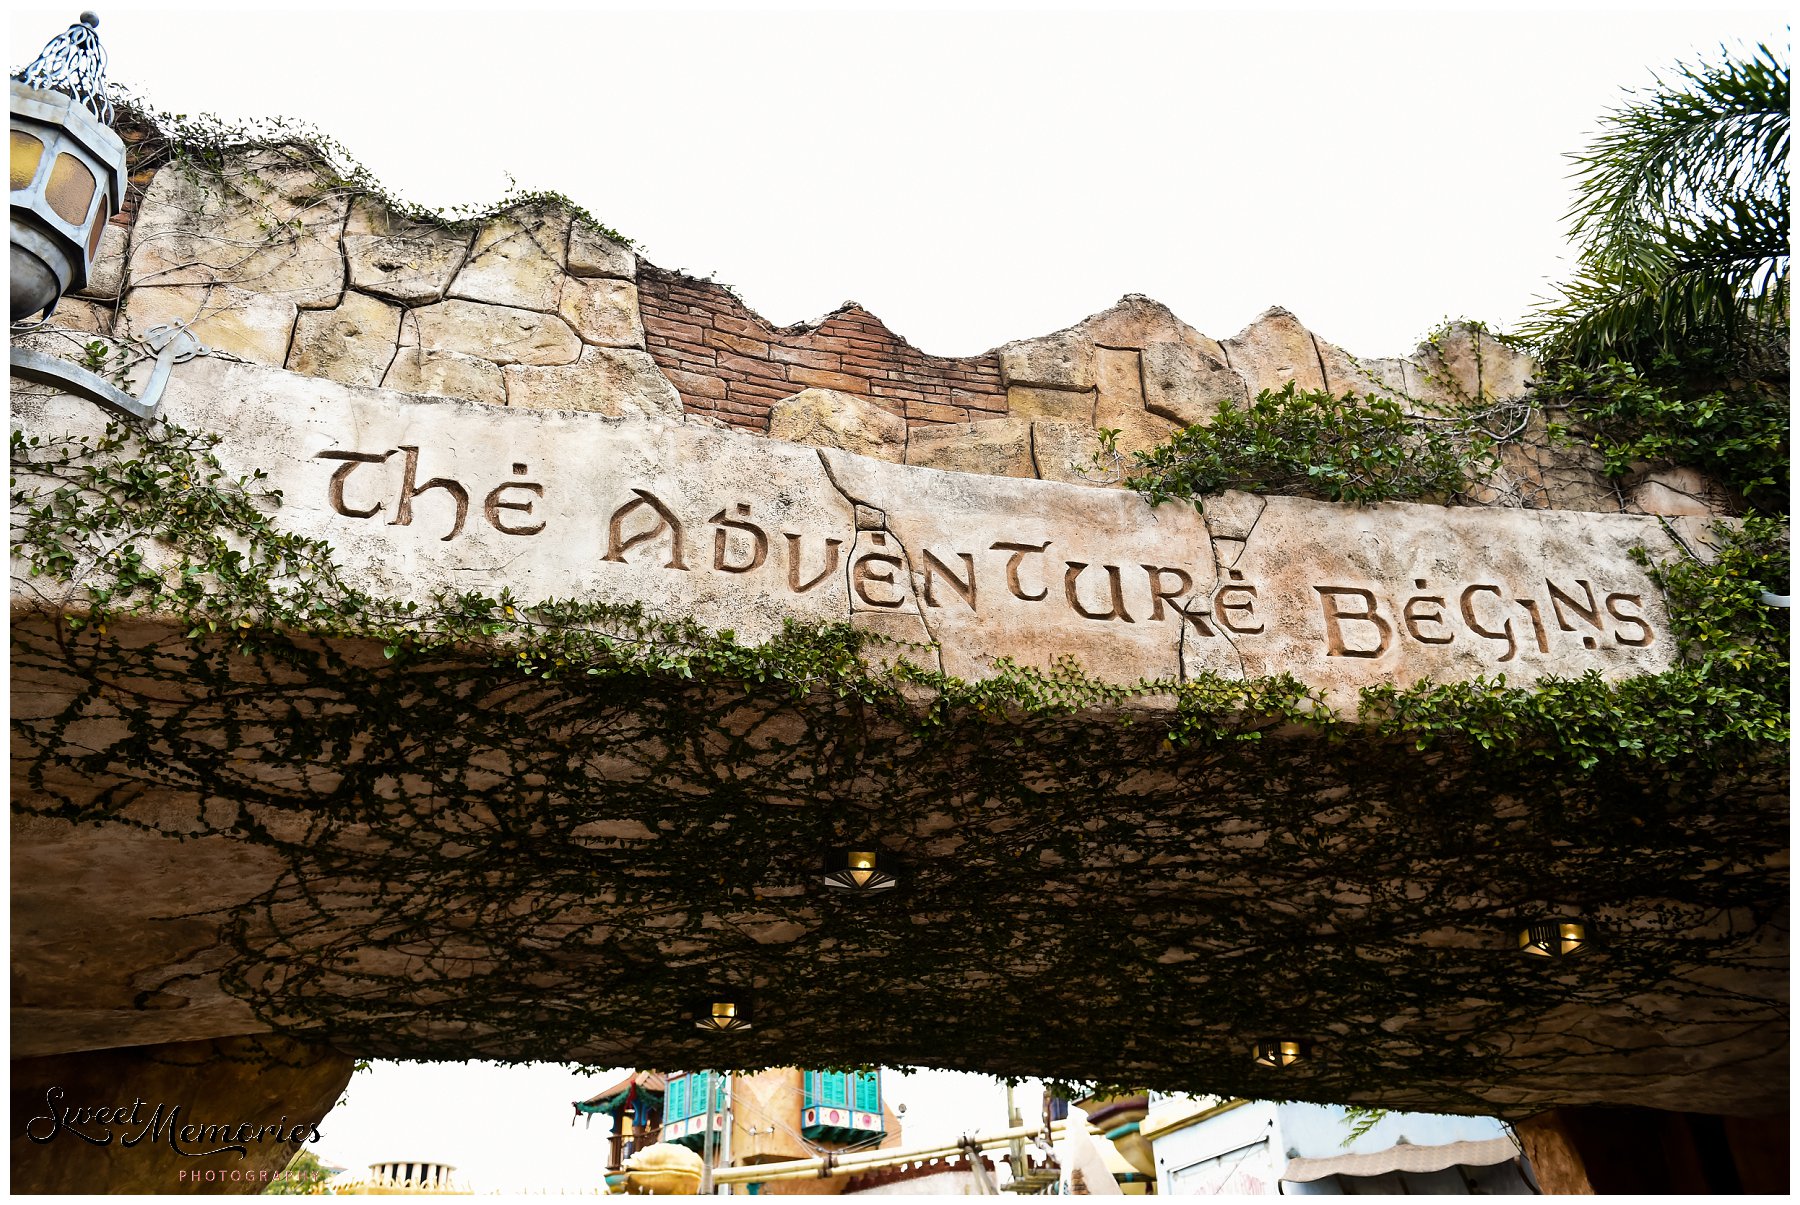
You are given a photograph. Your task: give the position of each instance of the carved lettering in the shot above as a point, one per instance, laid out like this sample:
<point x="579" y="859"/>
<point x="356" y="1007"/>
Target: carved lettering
<point x="1158" y="595"/>
<point x="1558" y="599"/>
<point x="492" y="506"/>
<point x="617" y="545"/>
<point x="1467" y="603"/>
<point x="1612" y="608"/>
<point x="1412" y="616"/>
<point x="759" y="541"/>
<point x="1117" y="611"/>
<point x="409" y="491"/>
<point x="1335" y="617"/>
<point x="861" y="575"/>
<point x="965" y="589"/>
<point x="831" y="563"/>
<point x="1221" y="609"/>
<point x="1537" y="624"/>
<point x="1019" y="553"/>
<point x="336" y="491"/>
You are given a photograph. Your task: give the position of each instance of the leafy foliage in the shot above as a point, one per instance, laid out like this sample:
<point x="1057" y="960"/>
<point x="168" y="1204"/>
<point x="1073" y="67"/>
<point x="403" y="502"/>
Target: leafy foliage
<point x="1736" y="435"/>
<point x="1726" y="700"/>
<point x="304" y="1176"/>
<point x="1314" y="445"/>
<point x="1682" y="221"/>
<point x="528" y="831"/>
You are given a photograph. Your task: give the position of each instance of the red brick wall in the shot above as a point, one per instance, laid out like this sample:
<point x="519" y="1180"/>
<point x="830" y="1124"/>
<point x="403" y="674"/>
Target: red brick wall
<point x="729" y="363"/>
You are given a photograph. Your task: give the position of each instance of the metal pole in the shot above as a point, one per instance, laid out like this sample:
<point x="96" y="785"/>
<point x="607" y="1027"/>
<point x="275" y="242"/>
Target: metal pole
<point x="1016" y="1152"/>
<point x="725" y="1152"/>
<point x="706" y="1135"/>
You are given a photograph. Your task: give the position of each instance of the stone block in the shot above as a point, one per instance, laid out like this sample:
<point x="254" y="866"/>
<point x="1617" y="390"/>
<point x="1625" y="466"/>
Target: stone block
<point x="1137" y="321"/>
<point x="399" y="259"/>
<point x="107" y="276"/>
<point x="81" y="314"/>
<point x="593" y="254"/>
<point x="446" y="374"/>
<point x="1120" y="406"/>
<point x="1464" y="364"/>
<point x="613" y="381"/>
<point x="503" y="334"/>
<point x="1678" y="491"/>
<point x="1273" y="350"/>
<point x="826" y="418"/>
<point x="1060" y="361"/>
<point x="1059" y="405"/>
<point x="270" y="223"/>
<point x="995" y="447"/>
<point x="1069" y="452"/>
<point x="1184" y="382"/>
<point x="1506" y="372"/>
<point x="1345" y="373"/>
<point x="517" y="260"/>
<point x="603" y="311"/>
<point x="354" y="343"/>
<point x="252" y="326"/>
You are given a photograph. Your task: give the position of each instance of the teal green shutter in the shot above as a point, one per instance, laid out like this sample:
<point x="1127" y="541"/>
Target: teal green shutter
<point x="868" y="1093"/>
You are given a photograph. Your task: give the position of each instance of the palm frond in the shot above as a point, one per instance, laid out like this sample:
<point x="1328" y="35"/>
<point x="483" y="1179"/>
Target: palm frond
<point x="1682" y="217"/>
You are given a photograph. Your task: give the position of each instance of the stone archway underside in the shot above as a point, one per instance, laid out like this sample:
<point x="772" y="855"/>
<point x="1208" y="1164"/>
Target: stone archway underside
<point x="444" y="859"/>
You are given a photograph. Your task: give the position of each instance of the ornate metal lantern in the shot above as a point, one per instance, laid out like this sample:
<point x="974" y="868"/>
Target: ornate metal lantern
<point x="723" y="1014"/>
<point x="68" y="173"/>
<point x="862" y="871"/>
<point x="1281" y="1052"/>
<point x="1555" y="939"/>
<point x="68" y="168"/>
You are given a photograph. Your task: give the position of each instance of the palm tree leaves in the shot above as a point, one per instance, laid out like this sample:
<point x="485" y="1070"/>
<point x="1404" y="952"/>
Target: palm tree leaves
<point x="1681" y="214"/>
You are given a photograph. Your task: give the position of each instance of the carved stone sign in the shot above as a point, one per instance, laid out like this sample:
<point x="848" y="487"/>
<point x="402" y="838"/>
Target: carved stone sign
<point x="742" y="533"/>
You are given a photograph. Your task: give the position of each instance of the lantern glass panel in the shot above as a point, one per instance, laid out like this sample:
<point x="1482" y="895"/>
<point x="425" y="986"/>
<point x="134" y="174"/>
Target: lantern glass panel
<point x="27" y="152"/>
<point x="862" y="868"/>
<point x="93" y="243"/>
<point x="70" y="190"/>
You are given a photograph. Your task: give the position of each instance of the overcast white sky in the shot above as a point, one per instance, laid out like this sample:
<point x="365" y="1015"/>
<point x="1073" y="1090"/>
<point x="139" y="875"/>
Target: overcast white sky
<point x="971" y="177"/>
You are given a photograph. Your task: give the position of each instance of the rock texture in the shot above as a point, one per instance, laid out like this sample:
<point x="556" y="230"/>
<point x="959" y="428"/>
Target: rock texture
<point x="827" y="419"/>
<point x="487" y="306"/>
<point x="270" y="223"/>
<point x="516" y="260"/>
<point x="1342" y="597"/>
<point x="1264" y="862"/>
<point x="404" y="261"/>
<point x="149" y="1094"/>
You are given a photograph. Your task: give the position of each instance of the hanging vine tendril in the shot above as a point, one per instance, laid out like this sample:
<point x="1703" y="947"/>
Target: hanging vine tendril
<point x="532" y="832"/>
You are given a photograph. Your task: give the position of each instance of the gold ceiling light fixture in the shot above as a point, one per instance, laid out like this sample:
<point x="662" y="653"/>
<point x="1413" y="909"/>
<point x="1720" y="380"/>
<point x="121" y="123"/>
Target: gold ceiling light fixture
<point x="1281" y="1052"/>
<point x="861" y="871"/>
<point x="723" y="1014"/>
<point x="1556" y="938"/>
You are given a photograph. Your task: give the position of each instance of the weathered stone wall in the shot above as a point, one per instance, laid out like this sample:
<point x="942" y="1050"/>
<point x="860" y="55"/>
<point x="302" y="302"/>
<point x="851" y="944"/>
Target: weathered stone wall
<point x="207" y="1117"/>
<point x="484" y="409"/>
<point x="275" y="261"/>
<point x="744" y="534"/>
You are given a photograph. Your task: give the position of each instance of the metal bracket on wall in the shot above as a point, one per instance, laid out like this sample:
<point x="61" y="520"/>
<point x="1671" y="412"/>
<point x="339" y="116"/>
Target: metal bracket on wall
<point x="173" y="345"/>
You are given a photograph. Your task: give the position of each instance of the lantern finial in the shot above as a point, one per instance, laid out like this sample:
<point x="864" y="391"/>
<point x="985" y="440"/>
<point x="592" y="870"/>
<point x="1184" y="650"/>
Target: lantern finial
<point x="74" y="62"/>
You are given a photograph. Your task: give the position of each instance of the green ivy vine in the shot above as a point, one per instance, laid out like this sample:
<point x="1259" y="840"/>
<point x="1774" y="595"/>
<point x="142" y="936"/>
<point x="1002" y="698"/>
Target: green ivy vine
<point x="468" y="782"/>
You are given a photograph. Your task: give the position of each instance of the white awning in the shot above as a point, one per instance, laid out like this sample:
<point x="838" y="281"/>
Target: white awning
<point x="1404" y="1157"/>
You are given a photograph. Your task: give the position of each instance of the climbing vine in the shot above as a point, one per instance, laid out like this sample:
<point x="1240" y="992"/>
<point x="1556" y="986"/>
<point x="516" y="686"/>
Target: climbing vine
<point x="1736" y="433"/>
<point x="207" y="149"/>
<point x="528" y="831"/>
